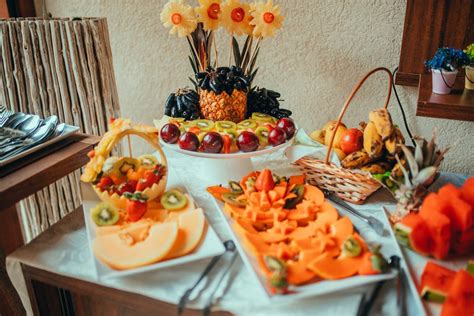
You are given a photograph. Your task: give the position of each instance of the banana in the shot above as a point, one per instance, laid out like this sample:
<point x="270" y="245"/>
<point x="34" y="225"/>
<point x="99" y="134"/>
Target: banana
<point x="376" y="167"/>
<point x="332" y="124"/>
<point x="356" y="159"/>
<point x="382" y="121"/>
<point x="373" y="144"/>
<point x="393" y="142"/>
<point x="318" y="135"/>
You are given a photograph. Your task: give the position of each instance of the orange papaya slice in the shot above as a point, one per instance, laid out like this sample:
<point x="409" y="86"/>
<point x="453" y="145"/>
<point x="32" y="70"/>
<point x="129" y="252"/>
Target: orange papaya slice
<point x="326" y="216"/>
<point x="435" y="282"/>
<point x="217" y="191"/>
<point x="342" y="229"/>
<point x="330" y="268"/>
<point x="256" y="243"/>
<point x="269" y="237"/>
<point x="298" y="273"/>
<point x="234" y="211"/>
<point x="298" y="179"/>
<point x="313" y="194"/>
<point x="460" y="295"/>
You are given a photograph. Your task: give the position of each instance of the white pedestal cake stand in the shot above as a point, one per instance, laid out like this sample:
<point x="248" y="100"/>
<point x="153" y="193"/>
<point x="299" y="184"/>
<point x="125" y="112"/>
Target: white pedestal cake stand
<point x="215" y="169"/>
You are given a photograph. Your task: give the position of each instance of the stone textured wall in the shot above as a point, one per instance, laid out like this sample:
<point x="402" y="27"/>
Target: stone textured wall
<point x="322" y="51"/>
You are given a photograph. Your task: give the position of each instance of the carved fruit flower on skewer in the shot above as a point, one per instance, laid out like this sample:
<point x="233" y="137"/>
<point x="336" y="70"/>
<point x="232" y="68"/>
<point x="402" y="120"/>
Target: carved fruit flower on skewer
<point x="236" y="17"/>
<point x="208" y="13"/>
<point x="266" y="19"/>
<point x="180" y="17"/>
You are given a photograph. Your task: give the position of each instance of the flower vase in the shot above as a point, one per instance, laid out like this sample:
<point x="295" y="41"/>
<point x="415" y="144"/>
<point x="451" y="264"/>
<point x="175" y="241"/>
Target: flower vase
<point x="443" y="81"/>
<point x="469" y="84"/>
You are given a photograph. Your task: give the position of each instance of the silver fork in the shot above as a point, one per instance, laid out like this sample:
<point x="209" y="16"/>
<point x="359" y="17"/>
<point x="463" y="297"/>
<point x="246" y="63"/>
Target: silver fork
<point x="374" y="223"/>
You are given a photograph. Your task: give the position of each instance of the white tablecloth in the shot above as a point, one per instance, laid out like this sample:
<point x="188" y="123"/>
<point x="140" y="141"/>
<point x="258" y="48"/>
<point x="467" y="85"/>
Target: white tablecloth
<point x="63" y="249"/>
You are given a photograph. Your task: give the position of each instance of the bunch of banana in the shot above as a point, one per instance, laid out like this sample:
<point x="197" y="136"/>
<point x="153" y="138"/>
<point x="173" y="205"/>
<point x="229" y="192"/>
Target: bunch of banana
<point x="381" y="142"/>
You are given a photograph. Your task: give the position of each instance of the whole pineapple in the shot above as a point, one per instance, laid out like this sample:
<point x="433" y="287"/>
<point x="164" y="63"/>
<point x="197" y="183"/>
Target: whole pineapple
<point x="414" y="173"/>
<point x="223" y="94"/>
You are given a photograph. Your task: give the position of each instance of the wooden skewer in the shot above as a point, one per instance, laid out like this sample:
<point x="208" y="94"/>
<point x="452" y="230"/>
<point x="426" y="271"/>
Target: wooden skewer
<point x="130" y="153"/>
<point x="195" y="51"/>
<point x="215" y="49"/>
<point x="230" y="47"/>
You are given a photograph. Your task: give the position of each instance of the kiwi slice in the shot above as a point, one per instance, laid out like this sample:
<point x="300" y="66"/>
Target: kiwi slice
<point x="231" y="198"/>
<point x="186" y="125"/>
<point x="204" y="125"/>
<point x="299" y="191"/>
<point x="261" y="117"/>
<point x="232" y="134"/>
<point x="246" y="124"/>
<point x="148" y="161"/>
<point x="351" y="247"/>
<point x="104" y="214"/>
<point x="226" y="126"/>
<point x="173" y="200"/>
<point x="201" y="136"/>
<point x="262" y="134"/>
<point x="109" y="166"/>
<point x="235" y="187"/>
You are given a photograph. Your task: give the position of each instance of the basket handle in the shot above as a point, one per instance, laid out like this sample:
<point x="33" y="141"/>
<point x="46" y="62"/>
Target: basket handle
<point x="351" y="96"/>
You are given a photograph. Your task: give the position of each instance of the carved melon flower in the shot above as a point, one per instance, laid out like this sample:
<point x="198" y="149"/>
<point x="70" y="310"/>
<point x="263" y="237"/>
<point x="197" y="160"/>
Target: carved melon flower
<point x="208" y="13"/>
<point x="266" y="19"/>
<point x="236" y="17"/>
<point x="180" y="17"/>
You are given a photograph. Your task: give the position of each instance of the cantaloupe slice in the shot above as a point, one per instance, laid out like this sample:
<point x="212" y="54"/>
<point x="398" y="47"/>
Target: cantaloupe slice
<point x="121" y="251"/>
<point x="156" y="214"/>
<point x="174" y="215"/>
<point x="191" y="228"/>
<point x="314" y="194"/>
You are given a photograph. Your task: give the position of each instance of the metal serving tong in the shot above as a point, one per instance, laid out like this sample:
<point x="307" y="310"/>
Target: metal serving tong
<point x="229" y="247"/>
<point x="374" y="223"/>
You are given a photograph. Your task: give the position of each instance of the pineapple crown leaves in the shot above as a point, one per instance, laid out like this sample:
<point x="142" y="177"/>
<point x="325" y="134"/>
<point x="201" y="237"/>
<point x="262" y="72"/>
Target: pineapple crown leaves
<point x="247" y="57"/>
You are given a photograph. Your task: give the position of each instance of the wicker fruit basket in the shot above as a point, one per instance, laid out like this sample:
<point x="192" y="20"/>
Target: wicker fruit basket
<point x="352" y="185"/>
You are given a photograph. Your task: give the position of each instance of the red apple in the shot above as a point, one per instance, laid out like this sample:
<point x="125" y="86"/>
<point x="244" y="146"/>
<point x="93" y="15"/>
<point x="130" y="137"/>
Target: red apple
<point x="247" y="141"/>
<point x="351" y="140"/>
<point x="188" y="141"/>
<point x="288" y="126"/>
<point x="277" y="136"/>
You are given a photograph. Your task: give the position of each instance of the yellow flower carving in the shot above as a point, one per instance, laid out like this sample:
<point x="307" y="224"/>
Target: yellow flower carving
<point x="236" y="17"/>
<point x="180" y="17"/>
<point x="266" y="19"/>
<point x="209" y="13"/>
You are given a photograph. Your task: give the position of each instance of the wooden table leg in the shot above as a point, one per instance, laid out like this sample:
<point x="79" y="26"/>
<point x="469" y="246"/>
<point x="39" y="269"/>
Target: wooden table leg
<point x="12" y="239"/>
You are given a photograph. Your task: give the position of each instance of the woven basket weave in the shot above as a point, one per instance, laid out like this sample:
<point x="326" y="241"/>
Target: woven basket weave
<point x="352" y="185"/>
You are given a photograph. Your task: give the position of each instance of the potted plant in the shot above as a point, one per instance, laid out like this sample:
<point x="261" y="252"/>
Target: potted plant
<point x="444" y="68"/>
<point x="470" y="67"/>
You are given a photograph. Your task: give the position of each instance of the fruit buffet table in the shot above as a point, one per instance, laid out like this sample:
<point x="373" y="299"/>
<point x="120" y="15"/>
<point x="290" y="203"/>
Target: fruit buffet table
<point x="63" y="251"/>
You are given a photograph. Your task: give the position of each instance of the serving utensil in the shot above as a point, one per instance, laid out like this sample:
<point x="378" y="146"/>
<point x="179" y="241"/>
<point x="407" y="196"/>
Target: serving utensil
<point x="229" y="247"/>
<point x="374" y="223"/>
<point x="41" y="134"/>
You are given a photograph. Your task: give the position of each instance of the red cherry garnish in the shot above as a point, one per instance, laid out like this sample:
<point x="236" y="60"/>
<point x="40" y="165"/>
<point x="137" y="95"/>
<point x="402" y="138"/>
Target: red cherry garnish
<point x="277" y="136"/>
<point x="247" y="141"/>
<point x="188" y="141"/>
<point x="212" y="143"/>
<point x="288" y="126"/>
<point x="170" y="133"/>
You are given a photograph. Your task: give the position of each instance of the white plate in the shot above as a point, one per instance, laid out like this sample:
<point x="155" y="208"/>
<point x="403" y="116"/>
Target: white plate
<point x="236" y="155"/>
<point x="416" y="263"/>
<point x="211" y="245"/>
<point x="320" y="287"/>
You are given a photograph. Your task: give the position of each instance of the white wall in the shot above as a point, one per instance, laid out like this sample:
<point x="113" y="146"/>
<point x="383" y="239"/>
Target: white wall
<point x="322" y="51"/>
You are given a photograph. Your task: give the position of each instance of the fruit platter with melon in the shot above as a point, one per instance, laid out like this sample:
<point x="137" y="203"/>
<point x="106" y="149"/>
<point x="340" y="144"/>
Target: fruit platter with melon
<point x="439" y="236"/>
<point x="137" y="223"/>
<point x="292" y="235"/>
<point x="224" y="112"/>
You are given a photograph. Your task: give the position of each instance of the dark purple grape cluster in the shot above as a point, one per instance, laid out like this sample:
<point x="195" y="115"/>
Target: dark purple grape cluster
<point x="223" y="79"/>
<point x="183" y="103"/>
<point x="265" y="101"/>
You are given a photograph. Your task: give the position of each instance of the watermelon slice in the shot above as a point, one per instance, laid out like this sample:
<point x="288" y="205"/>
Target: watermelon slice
<point x="435" y="282"/>
<point x="470" y="267"/>
<point x="465" y="243"/>
<point x="413" y="232"/>
<point x="449" y="189"/>
<point x="460" y="299"/>
<point x="467" y="191"/>
<point x="440" y="230"/>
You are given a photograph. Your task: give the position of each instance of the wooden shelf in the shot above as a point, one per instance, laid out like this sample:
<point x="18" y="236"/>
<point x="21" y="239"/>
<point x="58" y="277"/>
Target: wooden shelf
<point x="459" y="105"/>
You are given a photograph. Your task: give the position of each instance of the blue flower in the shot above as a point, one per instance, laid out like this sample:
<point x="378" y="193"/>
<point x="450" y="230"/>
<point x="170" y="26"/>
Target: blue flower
<point x="448" y="59"/>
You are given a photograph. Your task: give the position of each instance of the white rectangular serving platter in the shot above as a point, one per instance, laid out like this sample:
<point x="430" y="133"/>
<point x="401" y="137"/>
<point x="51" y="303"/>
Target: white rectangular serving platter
<point x="320" y="287"/>
<point x="68" y="131"/>
<point x="415" y="265"/>
<point x="210" y="246"/>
